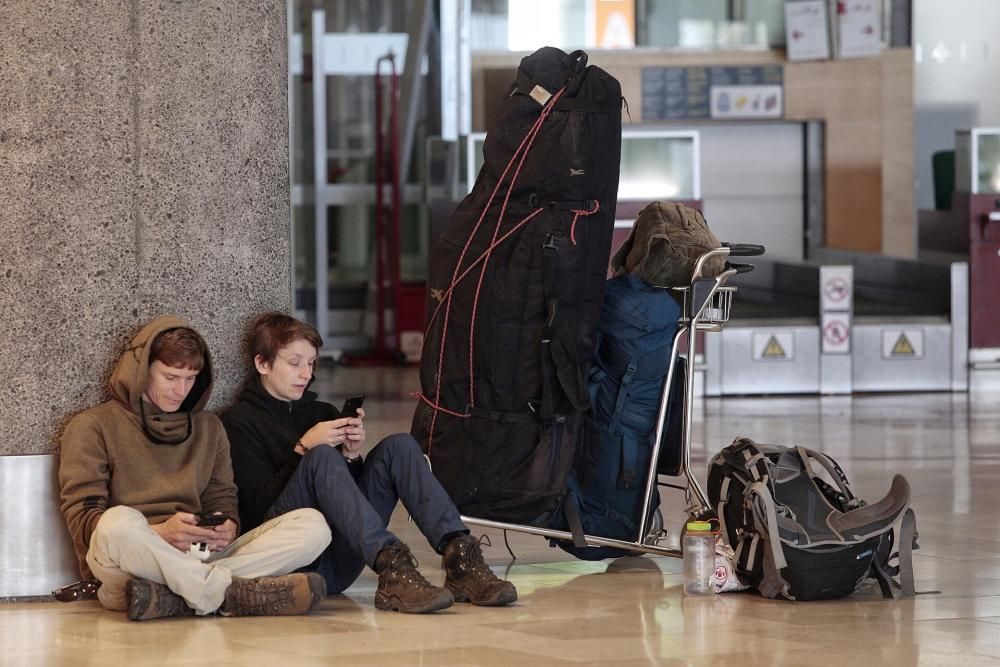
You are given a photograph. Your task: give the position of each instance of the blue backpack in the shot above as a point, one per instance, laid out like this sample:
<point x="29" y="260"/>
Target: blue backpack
<point x="634" y="337"/>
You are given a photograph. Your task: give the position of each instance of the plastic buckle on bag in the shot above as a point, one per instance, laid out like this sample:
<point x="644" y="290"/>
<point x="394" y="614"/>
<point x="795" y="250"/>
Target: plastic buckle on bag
<point x="551" y="242"/>
<point x="540" y="95"/>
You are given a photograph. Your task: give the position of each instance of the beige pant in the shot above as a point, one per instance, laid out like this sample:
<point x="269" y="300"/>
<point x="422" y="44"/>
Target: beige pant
<point x="123" y="547"/>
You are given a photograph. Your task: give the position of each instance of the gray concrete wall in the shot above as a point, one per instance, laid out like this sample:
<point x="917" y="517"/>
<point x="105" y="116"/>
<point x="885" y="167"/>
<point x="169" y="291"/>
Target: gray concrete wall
<point x="143" y="170"/>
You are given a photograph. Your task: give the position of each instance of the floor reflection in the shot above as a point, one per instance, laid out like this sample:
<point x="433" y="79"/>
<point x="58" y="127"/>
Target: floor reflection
<point x="631" y="611"/>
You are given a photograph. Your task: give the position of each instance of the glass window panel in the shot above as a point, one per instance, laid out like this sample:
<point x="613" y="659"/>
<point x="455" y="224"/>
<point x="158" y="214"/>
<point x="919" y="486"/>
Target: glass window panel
<point x="658" y="165"/>
<point x="988" y="162"/>
<point x="655" y="164"/>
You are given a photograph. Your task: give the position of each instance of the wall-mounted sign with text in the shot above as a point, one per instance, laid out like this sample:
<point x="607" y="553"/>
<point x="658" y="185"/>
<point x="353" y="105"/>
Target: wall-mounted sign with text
<point x="702" y="93"/>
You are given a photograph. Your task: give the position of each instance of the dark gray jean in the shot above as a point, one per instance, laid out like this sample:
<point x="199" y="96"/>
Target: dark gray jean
<point x="358" y="512"/>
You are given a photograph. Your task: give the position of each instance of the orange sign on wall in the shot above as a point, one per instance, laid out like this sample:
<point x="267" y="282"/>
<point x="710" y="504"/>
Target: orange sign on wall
<point x="615" y="21"/>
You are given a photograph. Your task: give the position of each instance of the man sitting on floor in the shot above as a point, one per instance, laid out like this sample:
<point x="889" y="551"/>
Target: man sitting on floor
<point x="140" y="472"/>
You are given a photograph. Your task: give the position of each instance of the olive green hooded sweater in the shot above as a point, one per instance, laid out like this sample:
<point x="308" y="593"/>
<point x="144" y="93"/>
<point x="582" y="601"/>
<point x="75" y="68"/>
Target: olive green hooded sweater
<point x="108" y="458"/>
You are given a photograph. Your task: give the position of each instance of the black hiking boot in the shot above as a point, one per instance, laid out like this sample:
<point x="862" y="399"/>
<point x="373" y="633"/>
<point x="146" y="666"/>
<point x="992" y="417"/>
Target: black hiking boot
<point x="401" y="587"/>
<point x="470" y="579"/>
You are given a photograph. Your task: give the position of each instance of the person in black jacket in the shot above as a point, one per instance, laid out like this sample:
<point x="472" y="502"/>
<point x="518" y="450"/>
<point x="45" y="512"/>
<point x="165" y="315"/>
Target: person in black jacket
<point x="291" y="451"/>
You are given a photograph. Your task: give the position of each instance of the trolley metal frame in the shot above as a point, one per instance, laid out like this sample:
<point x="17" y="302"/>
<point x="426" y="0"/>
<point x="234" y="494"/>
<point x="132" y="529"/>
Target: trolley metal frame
<point x="706" y="304"/>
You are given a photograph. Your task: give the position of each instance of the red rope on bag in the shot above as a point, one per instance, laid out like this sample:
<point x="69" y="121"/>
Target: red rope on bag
<point x="503" y="211"/>
<point x="419" y="395"/>
<point x="521" y="151"/>
<point x="577" y="215"/>
<point x="479" y="260"/>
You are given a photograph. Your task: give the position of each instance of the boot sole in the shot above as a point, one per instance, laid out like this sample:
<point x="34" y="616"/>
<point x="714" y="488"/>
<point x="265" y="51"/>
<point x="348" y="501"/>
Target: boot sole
<point x="317" y="591"/>
<point x="508" y="597"/>
<point x="393" y="603"/>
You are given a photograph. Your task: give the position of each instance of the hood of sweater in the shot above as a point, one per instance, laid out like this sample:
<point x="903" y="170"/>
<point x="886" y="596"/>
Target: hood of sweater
<point x="130" y="380"/>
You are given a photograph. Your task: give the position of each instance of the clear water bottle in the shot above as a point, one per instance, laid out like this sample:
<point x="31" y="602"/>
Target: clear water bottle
<point x="698" y="547"/>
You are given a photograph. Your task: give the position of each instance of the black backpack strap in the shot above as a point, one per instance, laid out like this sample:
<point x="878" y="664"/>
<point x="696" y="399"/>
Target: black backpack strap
<point x="550" y="250"/>
<point x="904" y="587"/>
<point x="584" y="105"/>
<point x="500" y="416"/>
<point x="830" y="466"/>
<point x="573" y="519"/>
<point x="557" y="345"/>
<point x="568" y="371"/>
<point x="536" y="200"/>
<point x="623" y="386"/>
<point x="629" y="456"/>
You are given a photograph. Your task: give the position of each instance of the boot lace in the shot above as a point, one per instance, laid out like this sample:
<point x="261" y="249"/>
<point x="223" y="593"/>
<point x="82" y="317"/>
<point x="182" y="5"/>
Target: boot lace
<point x="402" y="566"/>
<point x="471" y="557"/>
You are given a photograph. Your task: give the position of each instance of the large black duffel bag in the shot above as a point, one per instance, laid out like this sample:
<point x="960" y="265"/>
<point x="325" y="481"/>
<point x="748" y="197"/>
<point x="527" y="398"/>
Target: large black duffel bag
<point x="515" y="287"/>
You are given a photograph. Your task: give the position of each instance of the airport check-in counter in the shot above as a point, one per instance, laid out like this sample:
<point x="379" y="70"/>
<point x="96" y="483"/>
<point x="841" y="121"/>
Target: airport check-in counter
<point x="843" y="322"/>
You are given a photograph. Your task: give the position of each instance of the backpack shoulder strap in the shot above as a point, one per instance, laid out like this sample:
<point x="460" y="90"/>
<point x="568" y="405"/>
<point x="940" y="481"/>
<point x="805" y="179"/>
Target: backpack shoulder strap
<point x="904" y="587"/>
<point x="766" y="517"/>
<point x="831" y="466"/>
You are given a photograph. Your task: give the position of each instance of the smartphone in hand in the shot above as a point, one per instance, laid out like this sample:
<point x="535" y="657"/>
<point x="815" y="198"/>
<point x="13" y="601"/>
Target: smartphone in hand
<point x="351" y="405"/>
<point x="209" y="520"/>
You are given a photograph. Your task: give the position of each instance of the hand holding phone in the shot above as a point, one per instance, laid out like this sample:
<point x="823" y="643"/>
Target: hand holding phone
<point x="351" y="405"/>
<point x="209" y="520"/>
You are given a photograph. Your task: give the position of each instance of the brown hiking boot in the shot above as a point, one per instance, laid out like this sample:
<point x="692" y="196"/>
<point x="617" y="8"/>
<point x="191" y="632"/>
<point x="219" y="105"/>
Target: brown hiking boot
<point x="274" y="596"/>
<point x="148" y="600"/>
<point x="469" y="578"/>
<point x="401" y="587"/>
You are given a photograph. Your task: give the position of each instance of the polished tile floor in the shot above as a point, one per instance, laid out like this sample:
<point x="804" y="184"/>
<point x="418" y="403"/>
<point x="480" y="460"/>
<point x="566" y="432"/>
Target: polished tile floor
<point x="631" y="611"/>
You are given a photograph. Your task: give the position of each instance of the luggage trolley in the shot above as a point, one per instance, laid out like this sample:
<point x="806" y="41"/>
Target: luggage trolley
<point x="705" y="306"/>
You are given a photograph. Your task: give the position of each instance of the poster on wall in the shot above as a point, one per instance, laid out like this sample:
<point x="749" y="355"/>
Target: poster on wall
<point x="807" y="33"/>
<point x="614" y="24"/>
<point x="746" y="102"/>
<point x="859" y="27"/>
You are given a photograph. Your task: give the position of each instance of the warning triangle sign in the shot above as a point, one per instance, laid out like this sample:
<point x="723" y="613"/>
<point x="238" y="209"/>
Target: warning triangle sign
<point x="773" y="349"/>
<point x="903" y="347"/>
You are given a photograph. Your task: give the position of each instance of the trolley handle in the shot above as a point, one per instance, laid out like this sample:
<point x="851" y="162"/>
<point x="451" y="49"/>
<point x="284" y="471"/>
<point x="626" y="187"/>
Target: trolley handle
<point x="740" y="268"/>
<point x="744" y="250"/>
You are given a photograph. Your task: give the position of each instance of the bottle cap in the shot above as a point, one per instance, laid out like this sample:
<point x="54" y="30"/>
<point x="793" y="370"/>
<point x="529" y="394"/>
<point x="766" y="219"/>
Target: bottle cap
<point x="699" y="526"/>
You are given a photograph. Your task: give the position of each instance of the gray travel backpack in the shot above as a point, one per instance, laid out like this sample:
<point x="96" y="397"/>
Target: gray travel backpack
<point x="799" y="537"/>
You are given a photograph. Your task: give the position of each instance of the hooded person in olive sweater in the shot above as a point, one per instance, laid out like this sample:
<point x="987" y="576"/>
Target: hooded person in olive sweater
<point x="140" y="472"/>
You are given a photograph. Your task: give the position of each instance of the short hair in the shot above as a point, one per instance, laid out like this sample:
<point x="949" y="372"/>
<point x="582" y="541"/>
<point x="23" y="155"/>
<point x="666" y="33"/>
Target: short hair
<point x="274" y="330"/>
<point x="179" y="348"/>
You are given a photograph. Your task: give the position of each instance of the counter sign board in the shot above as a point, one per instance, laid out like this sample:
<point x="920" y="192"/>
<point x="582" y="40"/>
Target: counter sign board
<point x="701" y="93"/>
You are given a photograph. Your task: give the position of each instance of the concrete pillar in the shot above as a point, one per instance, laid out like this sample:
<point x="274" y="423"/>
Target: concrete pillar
<point x="143" y="170"/>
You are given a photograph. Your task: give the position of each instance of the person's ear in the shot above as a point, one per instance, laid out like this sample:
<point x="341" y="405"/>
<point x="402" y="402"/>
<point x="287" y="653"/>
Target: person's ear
<point x="263" y="367"/>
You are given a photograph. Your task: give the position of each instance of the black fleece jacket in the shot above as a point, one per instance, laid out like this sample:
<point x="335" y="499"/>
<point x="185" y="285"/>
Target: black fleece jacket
<point x="262" y="434"/>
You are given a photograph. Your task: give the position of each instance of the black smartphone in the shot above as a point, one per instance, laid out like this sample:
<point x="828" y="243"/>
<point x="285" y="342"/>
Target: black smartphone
<point x="351" y="405"/>
<point x="209" y="520"/>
